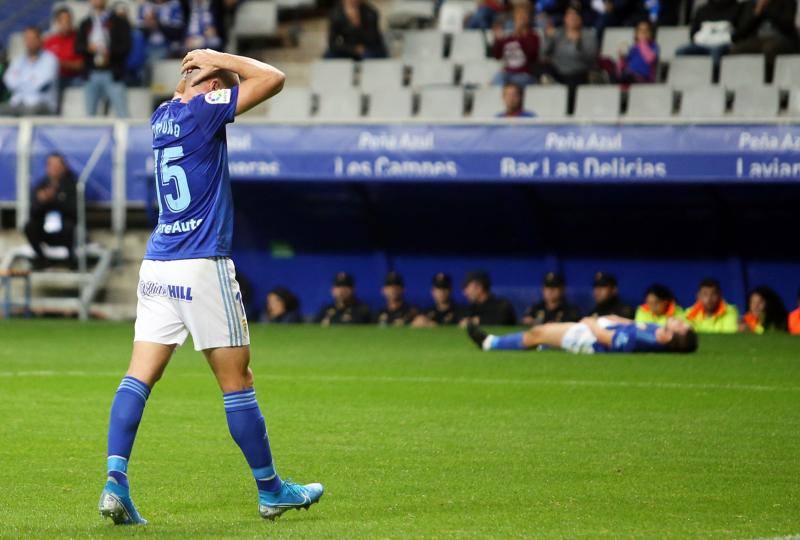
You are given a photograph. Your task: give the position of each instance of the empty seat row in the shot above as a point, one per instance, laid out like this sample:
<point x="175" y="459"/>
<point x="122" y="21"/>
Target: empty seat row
<point x="735" y="71"/>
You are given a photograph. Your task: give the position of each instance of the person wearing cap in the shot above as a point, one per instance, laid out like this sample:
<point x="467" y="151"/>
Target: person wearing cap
<point x="659" y="305"/>
<point x="397" y="312"/>
<point x="282" y="307"/>
<point x="554" y="306"/>
<point x="484" y="307"/>
<point x="606" y="297"/>
<point x="444" y="311"/>
<point x="346" y="308"/>
<point x="711" y="314"/>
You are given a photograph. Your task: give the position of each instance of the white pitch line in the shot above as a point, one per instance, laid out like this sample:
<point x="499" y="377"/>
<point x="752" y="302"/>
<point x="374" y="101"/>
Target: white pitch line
<point x="447" y="380"/>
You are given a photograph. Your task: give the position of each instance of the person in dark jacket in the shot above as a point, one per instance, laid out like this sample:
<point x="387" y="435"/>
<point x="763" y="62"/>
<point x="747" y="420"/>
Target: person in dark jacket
<point x="606" y="297"/>
<point x="54" y="210"/>
<point x="443" y="311"/>
<point x="346" y="307"/>
<point x="353" y="32"/>
<point x="397" y="311"/>
<point x="104" y="41"/>
<point x="282" y="307"/>
<point x="767" y="26"/>
<point x="553" y="306"/>
<point x="713" y="29"/>
<point x="484" y="307"/>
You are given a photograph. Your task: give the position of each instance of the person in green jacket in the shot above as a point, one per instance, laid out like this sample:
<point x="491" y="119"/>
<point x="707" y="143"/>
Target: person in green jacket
<point x="711" y="314"/>
<point x="659" y="305"/>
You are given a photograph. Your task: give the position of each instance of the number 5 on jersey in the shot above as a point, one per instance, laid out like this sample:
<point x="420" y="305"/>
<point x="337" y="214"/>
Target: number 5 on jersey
<point x="167" y="174"/>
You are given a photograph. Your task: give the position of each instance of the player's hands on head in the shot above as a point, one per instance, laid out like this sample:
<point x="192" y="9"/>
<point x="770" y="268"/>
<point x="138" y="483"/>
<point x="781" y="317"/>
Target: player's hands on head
<point x="205" y="61"/>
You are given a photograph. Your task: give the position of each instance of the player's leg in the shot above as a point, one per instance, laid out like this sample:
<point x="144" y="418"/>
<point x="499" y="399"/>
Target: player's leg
<point x="148" y="362"/>
<point x="247" y="427"/>
<point x="550" y="334"/>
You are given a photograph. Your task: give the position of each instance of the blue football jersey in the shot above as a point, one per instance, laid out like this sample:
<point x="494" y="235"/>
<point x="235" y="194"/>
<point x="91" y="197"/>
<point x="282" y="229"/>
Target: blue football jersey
<point x="634" y="337"/>
<point x="195" y="209"/>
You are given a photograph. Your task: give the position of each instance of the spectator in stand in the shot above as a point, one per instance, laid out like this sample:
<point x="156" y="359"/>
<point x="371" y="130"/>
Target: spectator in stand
<point x="62" y="44"/>
<point x="554" y="306"/>
<point x="163" y="24"/>
<point x="54" y="210"/>
<point x="518" y="50"/>
<point x="346" y="308"/>
<point x="137" y="57"/>
<point x="487" y="12"/>
<point x="32" y="79"/>
<point x="711" y="314"/>
<point x="282" y="307"/>
<point x="484" y="307"/>
<point x="606" y="297"/>
<point x="765" y="312"/>
<point x="203" y="30"/>
<point x="104" y="41"/>
<point x="512" y="99"/>
<point x="444" y="311"/>
<point x="354" y="31"/>
<point x="397" y="312"/>
<point x="768" y="27"/>
<point x="659" y="305"/>
<point x="712" y="30"/>
<point x="639" y="63"/>
<point x="794" y="318"/>
<point x="571" y="52"/>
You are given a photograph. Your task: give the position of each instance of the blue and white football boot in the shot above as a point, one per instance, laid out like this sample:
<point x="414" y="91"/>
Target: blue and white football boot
<point x="291" y="495"/>
<point x="116" y="503"/>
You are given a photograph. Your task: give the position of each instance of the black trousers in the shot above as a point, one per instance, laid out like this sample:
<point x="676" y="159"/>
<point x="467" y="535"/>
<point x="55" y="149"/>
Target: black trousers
<point x="36" y="234"/>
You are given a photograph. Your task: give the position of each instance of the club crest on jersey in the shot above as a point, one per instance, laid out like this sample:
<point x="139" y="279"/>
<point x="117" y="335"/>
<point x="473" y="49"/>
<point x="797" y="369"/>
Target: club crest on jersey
<point x="217" y="97"/>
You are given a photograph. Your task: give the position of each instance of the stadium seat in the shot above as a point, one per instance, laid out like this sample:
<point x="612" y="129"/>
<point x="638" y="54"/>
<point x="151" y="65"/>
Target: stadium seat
<point x="794" y="103"/>
<point x="703" y="102"/>
<point x="290" y="104"/>
<point x="742" y="70"/>
<point x="787" y="71"/>
<point x="756" y="101"/>
<point x="432" y="73"/>
<point x="331" y="75"/>
<point x="597" y="102"/>
<point x="423" y="45"/>
<point x="166" y="74"/>
<point x="379" y="74"/>
<point x="410" y="13"/>
<point x="256" y="19"/>
<point x="487" y="102"/>
<point x="441" y="103"/>
<point x="467" y="46"/>
<point x="391" y="104"/>
<point x="649" y="101"/>
<point x="343" y="104"/>
<point x="669" y="39"/>
<point x="615" y="37"/>
<point x="73" y="103"/>
<point x="547" y="101"/>
<point x="140" y="103"/>
<point x="480" y="72"/>
<point x="16" y="45"/>
<point x="690" y="71"/>
<point x="452" y="15"/>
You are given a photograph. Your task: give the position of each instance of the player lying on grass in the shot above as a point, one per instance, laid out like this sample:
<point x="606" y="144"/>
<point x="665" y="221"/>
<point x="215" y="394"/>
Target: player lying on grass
<point x="594" y="335"/>
<point x="187" y="283"/>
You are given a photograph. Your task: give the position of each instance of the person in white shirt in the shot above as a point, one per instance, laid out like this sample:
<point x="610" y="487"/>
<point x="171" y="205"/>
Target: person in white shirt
<point x="32" y="79"/>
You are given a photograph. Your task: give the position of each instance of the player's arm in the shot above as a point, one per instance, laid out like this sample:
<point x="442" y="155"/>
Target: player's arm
<point x="603" y="335"/>
<point x="260" y="82"/>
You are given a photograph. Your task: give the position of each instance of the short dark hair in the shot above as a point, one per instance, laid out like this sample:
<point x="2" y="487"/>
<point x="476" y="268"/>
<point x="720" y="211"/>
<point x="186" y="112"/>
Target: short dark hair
<point x="710" y="282"/>
<point x="35" y="29"/>
<point x="478" y="276"/>
<point x="229" y="79"/>
<point x="683" y="343"/>
<point x="662" y="292"/>
<point x="514" y="85"/>
<point x="58" y="10"/>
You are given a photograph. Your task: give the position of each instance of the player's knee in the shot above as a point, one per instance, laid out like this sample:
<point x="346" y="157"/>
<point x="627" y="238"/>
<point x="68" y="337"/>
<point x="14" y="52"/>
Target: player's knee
<point x="532" y="337"/>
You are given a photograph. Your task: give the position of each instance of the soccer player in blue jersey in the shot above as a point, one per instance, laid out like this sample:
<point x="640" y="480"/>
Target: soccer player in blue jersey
<point x="595" y="335"/>
<point x="187" y="283"/>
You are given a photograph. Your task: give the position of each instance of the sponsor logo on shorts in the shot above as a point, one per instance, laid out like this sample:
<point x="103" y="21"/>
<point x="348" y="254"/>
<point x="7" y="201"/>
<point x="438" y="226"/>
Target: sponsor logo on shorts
<point x="178" y="226"/>
<point x="174" y="292"/>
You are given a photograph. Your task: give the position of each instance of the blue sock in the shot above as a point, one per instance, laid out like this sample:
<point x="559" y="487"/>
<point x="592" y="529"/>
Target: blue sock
<point x="126" y="413"/>
<point x="509" y="342"/>
<point x="247" y="427"/>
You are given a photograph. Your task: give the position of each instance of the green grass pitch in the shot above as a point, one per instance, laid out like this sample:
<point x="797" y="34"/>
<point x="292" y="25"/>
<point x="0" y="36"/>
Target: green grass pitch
<point x="414" y="434"/>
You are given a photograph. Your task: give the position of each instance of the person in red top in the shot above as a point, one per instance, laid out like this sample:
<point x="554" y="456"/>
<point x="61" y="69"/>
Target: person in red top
<point x="62" y="44"/>
<point x="794" y="318"/>
<point x="518" y="50"/>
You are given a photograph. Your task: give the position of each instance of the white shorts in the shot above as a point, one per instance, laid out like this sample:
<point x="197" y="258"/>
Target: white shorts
<point x="579" y="339"/>
<point x="191" y="296"/>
